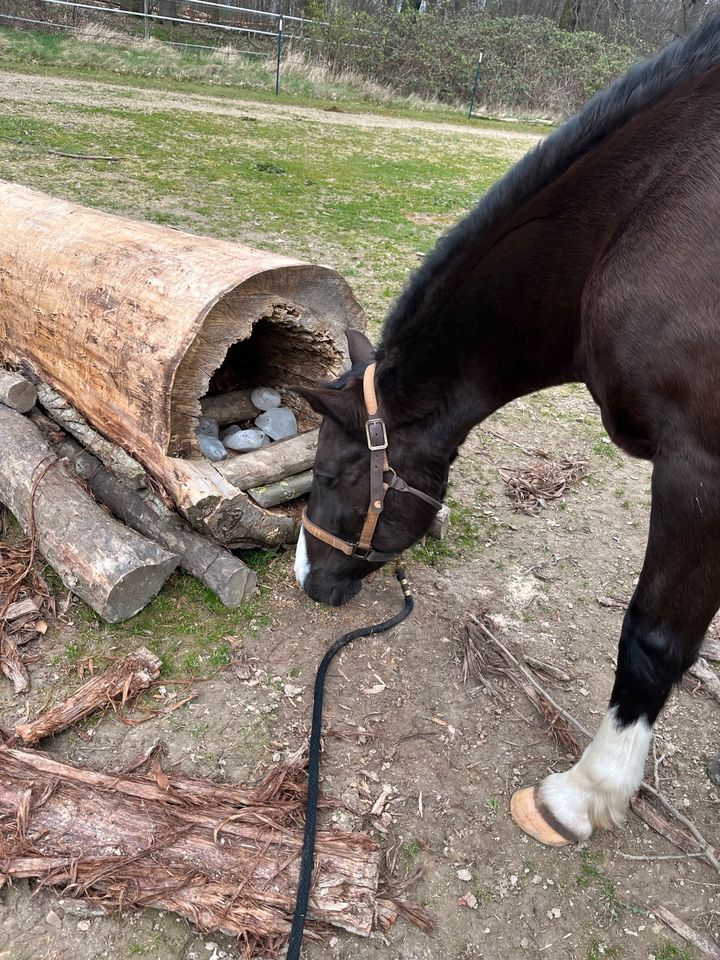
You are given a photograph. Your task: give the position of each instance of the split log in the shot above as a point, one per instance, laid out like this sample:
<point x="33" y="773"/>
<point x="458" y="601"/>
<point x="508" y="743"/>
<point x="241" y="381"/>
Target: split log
<point x="226" y="857"/>
<point x="229" y="407"/>
<point x="16" y="392"/>
<point x="122" y="681"/>
<point x="272" y="463"/>
<point x="283" y="490"/>
<point x="227" y="576"/>
<point x="130" y="322"/>
<point x="113" y="457"/>
<point x="115" y="570"/>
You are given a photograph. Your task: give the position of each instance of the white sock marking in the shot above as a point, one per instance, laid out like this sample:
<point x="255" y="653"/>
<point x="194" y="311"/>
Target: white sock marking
<point x="595" y="793"/>
<point x="302" y="564"/>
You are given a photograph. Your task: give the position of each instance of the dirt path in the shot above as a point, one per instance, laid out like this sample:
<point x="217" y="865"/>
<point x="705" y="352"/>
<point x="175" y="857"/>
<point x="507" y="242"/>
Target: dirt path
<point x="19" y="88"/>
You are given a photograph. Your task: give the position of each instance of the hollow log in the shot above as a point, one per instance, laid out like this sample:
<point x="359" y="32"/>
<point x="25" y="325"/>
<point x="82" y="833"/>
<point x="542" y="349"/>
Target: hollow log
<point x="16" y="391"/>
<point x="122" y="681"/>
<point x="131" y="322"/>
<point x="224" y="856"/>
<point x="113" y="569"/>
<point x="272" y="463"/>
<point x="227" y="576"/>
<point x="282" y="491"/>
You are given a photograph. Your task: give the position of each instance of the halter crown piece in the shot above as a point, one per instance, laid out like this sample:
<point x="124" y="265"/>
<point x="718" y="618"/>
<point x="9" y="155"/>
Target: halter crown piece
<point x="382" y="478"/>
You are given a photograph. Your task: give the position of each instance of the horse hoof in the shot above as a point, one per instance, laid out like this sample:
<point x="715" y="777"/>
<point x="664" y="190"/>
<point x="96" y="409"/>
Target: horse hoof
<point x="535" y="820"/>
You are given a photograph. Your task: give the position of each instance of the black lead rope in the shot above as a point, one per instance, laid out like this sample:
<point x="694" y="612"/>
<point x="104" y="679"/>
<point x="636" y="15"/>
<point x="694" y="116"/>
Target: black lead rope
<point x="308" y="850"/>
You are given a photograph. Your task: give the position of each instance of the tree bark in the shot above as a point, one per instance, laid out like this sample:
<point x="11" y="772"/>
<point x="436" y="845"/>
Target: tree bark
<point x="229" y="407"/>
<point x="122" y="681"/>
<point x="224" y="856"/>
<point x="115" y="570"/>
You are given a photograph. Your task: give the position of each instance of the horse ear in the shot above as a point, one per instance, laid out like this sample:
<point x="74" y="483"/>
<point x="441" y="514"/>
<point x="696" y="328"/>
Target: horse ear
<point x="344" y="406"/>
<point x="361" y="350"/>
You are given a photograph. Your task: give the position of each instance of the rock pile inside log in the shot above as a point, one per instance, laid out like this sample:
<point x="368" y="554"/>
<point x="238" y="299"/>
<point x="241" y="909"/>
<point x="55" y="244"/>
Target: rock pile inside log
<point x="265" y="420"/>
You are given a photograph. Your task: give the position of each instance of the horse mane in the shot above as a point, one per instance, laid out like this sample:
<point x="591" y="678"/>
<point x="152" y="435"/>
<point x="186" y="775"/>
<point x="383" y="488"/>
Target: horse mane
<point x="643" y="85"/>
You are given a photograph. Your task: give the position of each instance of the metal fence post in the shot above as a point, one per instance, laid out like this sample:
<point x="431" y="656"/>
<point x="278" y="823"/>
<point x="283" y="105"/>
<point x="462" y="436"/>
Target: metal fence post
<point x="279" y="55"/>
<point x="475" y="86"/>
<point x="146" y="22"/>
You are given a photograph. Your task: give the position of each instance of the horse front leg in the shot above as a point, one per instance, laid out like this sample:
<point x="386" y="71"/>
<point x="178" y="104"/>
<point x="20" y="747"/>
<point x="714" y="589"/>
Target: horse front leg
<point x="676" y="598"/>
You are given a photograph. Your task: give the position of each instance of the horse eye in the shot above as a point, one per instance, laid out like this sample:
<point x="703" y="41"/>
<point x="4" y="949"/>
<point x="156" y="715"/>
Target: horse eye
<point x="324" y="480"/>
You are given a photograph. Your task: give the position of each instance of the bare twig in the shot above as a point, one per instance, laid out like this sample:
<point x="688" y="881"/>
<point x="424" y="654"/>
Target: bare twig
<point x="702" y="943"/>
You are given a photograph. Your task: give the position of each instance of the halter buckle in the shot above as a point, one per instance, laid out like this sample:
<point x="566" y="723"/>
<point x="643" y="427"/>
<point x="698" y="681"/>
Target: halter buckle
<point x="360" y="553"/>
<point x="376" y="439"/>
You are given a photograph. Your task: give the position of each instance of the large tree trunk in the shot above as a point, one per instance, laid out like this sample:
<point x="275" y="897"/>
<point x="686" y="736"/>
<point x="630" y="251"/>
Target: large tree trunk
<point x="131" y="322"/>
<point x="115" y="570"/>
<point x="224" y="856"/>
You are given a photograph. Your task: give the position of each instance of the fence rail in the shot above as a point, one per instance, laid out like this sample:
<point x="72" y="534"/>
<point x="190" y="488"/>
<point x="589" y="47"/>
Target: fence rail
<point x="154" y="22"/>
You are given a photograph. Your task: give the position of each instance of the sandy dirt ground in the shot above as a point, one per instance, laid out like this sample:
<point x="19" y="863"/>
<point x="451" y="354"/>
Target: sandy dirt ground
<point x="410" y="721"/>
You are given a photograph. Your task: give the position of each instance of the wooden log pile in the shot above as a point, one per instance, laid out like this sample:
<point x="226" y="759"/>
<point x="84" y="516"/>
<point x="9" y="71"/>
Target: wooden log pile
<point x="135" y="339"/>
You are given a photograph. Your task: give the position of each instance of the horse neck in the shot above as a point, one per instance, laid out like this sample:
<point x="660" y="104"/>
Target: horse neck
<point x="491" y="332"/>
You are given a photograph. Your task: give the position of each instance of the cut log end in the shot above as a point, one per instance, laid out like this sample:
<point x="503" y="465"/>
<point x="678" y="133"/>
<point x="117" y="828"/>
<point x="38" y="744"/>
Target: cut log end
<point x="133" y="592"/>
<point x="16" y="392"/>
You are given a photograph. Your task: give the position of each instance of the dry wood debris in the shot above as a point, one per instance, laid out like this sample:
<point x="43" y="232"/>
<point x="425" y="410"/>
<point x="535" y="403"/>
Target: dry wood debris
<point x="224" y="856"/>
<point x="25" y="603"/>
<point x="532" y="488"/>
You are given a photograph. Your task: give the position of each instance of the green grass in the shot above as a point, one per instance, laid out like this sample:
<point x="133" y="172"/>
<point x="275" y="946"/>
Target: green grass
<point x="669" y="952"/>
<point x="366" y="201"/>
<point x="113" y="57"/>
<point x="469" y="529"/>
<point x="185" y="625"/>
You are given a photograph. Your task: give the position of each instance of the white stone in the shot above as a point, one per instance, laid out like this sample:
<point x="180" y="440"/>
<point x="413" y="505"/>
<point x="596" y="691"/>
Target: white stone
<point x="278" y="423"/>
<point x="244" y="440"/>
<point x="265" y="398"/>
<point x="52" y="919"/>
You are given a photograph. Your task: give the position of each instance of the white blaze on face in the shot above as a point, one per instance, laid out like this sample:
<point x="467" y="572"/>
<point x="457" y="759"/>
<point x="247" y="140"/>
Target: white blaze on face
<point x="302" y="564"/>
<point x="595" y="793"/>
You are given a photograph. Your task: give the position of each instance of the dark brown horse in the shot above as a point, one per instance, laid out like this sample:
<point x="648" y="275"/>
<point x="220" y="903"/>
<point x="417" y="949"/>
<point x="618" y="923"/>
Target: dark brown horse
<point x="596" y="259"/>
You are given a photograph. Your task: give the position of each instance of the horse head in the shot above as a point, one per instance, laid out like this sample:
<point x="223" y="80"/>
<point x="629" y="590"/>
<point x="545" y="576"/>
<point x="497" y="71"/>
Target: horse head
<point x="359" y="515"/>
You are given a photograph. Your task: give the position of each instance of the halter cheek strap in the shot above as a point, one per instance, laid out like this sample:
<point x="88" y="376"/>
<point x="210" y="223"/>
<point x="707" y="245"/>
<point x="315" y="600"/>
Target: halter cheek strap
<point x="382" y="478"/>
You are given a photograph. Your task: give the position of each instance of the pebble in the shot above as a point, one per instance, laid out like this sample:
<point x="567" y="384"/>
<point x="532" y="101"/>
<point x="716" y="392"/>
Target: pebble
<point x="265" y="398"/>
<point x="244" y="440"/>
<point x="83" y="926"/>
<point x="209" y="427"/>
<point x="52" y="919"/>
<point x="212" y="448"/>
<point x="278" y="423"/>
<point x="464" y="875"/>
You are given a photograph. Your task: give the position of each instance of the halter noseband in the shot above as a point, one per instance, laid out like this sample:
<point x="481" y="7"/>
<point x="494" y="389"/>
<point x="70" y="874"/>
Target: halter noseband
<point x="382" y="478"/>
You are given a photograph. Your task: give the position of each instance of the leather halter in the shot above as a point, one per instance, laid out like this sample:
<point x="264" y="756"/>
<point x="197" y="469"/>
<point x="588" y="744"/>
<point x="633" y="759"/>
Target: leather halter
<point x="382" y="478"/>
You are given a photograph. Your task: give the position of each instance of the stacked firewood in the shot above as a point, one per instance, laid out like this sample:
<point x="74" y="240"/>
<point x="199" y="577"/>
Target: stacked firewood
<point x="67" y="496"/>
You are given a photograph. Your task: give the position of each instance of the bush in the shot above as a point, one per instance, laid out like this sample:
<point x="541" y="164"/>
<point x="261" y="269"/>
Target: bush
<point x="529" y="64"/>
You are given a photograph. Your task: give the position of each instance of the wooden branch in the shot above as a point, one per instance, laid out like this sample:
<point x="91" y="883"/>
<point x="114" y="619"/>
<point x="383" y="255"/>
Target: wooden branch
<point x="282" y="490"/>
<point x="702" y="943"/>
<point x="11" y="663"/>
<point x="702" y="671"/>
<point x="115" y="570"/>
<point x="19" y="609"/>
<point x="227" y="576"/>
<point x="16" y="392"/>
<point x="122" y="681"/>
<point x="225" y="857"/>
<point x="229" y="407"/>
<point x="83" y="156"/>
<point x="272" y="463"/>
<point x="113" y="457"/>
